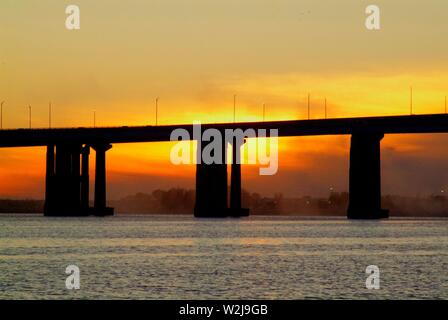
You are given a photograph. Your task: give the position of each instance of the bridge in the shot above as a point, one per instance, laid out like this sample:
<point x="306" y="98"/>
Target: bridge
<point x="68" y="149"/>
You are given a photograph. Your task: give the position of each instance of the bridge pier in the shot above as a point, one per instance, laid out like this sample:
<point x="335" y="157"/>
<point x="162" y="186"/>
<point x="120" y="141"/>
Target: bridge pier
<point x="49" y="181"/>
<point x="85" y="152"/>
<point x="62" y="186"/>
<point x="365" y="177"/>
<point x="236" y="209"/>
<point x="67" y="181"/>
<point x="211" y="186"/>
<point x="100" y="208"/>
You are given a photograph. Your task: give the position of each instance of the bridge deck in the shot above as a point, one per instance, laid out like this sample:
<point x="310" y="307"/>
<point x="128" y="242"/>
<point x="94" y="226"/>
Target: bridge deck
<point x="429" y="123"/>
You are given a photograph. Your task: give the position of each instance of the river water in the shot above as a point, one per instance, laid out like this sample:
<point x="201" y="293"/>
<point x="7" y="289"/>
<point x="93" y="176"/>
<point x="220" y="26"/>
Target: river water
<point x="179" y="257"/>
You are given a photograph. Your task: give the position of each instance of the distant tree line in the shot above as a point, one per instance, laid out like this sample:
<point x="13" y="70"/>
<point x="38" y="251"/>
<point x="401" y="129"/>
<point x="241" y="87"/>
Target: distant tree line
<point x="181" y="201"/>
<point x="21" y="206"/>
<point x="172" y="201"/>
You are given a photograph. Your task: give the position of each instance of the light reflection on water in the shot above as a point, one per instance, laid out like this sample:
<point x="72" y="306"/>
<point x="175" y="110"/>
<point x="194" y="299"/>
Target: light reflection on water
<point x="179" y="257"/>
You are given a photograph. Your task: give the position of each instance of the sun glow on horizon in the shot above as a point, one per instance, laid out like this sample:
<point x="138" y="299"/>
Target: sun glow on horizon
<point x="195" y="56"/>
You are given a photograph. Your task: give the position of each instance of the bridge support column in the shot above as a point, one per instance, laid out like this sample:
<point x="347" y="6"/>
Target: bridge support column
<point x="365" y="177"/>
<point x="75" y="179"/>
<point x="236" y="209"/>
<point x="100" y="207"/>
<point x="63" y="181"/>
<point x="211" y="187"/>
<point x="85" y="152"/>
<point x="49" y="181"/>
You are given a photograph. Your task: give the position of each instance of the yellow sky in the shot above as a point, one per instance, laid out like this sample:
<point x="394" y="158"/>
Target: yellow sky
<point x="195" y="54"/>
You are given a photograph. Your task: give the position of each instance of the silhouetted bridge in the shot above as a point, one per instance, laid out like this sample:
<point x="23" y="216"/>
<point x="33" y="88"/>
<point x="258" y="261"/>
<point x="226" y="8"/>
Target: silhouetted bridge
<point x="68" y="149"/>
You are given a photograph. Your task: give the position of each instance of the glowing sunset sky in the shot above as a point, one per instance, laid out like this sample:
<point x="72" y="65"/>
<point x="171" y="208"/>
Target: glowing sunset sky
<point x="196" y="54"/>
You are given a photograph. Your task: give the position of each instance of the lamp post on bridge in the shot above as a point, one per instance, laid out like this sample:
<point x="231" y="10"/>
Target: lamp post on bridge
<point x="49" y="115"/>
<point x="325" y="108"/>
<point x="234" y="108"/>
<point x="157" y="110"/>
<point x="1" y="114"/>
<point x="308" y="106"/>
<point x="29" y="108"/>
<point x="445" y="104"/>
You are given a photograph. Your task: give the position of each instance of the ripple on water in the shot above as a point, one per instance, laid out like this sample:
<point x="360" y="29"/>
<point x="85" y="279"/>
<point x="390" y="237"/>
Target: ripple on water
<point x="156" y="257"/>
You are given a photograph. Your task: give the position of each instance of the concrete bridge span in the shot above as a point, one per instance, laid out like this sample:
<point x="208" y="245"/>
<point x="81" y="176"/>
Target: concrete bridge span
<point x="68" y="149"/>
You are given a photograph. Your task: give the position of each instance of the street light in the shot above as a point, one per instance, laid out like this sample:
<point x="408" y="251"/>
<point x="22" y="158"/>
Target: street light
<point x="49" y="115"/>
<point x="308" y="106"/>
<point x="325" y="108"/>
<point x="234" y="107"/>
<point x="1" y="114"/>
<point x="157" y="110"/>
<point x="29" y="107"/>
<point x="445" y="104"/>
<point x="264" y="111"/>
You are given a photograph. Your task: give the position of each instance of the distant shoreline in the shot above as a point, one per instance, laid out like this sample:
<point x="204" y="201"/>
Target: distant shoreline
<point x="178" y="201"/>
<point x="263" y="217"/>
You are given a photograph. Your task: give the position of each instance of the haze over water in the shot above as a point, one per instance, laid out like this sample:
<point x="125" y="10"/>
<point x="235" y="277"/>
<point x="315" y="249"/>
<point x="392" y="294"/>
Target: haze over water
<point x="179" y="257"/>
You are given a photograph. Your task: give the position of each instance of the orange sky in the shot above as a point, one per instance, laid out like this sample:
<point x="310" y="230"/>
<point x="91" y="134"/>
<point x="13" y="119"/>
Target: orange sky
<point x="196" y="54"/>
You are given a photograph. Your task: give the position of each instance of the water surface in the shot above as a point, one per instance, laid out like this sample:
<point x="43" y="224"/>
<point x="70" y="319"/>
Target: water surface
<point x="179" y="257"/>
